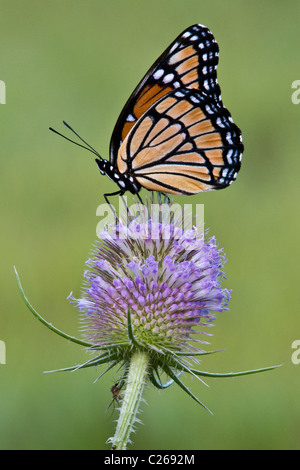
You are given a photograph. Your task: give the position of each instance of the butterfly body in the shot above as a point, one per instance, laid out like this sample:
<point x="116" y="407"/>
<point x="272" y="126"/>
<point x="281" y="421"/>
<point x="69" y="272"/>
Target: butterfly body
<point x="174" y="135"/>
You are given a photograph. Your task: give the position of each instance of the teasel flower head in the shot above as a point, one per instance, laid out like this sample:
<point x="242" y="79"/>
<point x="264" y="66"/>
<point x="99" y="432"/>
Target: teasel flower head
<point x="165" y="281"/>
<point x="153" y="285"/>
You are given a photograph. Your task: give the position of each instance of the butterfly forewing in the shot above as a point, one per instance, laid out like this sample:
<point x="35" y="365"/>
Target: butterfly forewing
<point x="189" y="62"/>
<point x="184" y="144"/>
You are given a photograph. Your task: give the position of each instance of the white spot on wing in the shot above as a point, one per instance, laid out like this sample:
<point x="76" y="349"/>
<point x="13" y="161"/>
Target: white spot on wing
<point x="179" y="94"/>
<point x="229" y="138"/>
<point x="168" y="78"/>
<point x="229" y="155"/>
<point x="159" y="73"/>
<point x="208" y="109"/>
<point x="194" y="99"/>
<point x="174" y="47"/>
<point x="219" y="122"/>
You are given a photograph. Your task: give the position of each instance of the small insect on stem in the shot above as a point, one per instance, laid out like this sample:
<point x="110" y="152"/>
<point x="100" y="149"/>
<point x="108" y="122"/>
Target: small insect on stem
<point x="115" y="391"/>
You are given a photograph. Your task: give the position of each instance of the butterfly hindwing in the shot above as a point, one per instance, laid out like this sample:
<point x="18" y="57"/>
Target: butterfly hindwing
<point x="189" y="62"/>
<point x="184" y="144"/>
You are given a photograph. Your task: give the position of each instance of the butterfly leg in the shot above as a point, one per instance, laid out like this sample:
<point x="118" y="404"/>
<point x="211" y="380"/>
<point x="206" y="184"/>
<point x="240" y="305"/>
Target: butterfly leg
<point x="140" y="199"/>
<point x="120" y="193"/>
<point x="125" y="205"/>
<point x="166" y="196"/>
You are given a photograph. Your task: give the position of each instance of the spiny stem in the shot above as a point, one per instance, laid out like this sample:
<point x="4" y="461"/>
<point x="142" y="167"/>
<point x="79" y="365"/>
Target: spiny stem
<point x="135" y="383"/>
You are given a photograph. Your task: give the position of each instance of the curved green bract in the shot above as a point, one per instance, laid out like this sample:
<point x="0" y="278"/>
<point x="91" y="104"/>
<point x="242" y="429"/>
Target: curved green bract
<point x="42" y="320"/>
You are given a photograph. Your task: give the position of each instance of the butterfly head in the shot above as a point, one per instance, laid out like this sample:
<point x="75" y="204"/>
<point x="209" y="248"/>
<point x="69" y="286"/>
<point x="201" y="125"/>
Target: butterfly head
<point x="125" y="181"/>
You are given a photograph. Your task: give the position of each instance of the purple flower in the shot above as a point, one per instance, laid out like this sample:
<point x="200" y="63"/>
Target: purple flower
<point x="168" y="281"/>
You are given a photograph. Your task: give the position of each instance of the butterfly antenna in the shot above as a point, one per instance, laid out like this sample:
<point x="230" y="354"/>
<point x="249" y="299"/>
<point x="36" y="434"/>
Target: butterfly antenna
<point x="89" y="147"/>
<point x="69" y="127"/>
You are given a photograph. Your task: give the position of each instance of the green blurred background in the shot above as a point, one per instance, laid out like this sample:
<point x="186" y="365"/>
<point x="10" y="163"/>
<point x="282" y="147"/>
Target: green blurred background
<point x="79" y="61"/>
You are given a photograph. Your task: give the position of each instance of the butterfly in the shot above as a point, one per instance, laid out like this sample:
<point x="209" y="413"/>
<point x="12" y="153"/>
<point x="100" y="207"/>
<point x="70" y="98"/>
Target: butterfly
<point x="174" y="135"/>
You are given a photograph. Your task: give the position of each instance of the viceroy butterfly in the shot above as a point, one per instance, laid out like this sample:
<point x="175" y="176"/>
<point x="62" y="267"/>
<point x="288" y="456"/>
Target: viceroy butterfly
<point x="174" y="134"/>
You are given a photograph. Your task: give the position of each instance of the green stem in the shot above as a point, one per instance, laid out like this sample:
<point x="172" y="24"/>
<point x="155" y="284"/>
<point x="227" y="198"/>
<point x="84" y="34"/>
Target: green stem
<point x="132" y="397"/>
